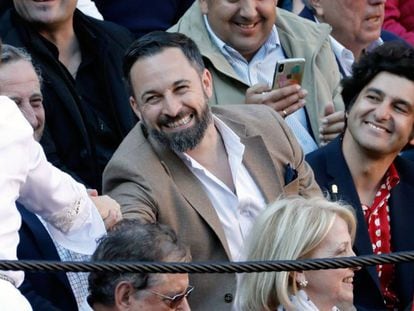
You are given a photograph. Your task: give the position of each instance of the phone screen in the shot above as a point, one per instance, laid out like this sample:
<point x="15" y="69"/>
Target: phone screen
<point x="288" y="72"/>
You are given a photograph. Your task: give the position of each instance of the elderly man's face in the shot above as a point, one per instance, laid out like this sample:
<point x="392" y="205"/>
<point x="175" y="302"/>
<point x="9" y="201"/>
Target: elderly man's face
<point x="19" y="81"/>
<point x="46" y="13"/>
<point x="355" y="23"/>
<point x="244" y="25"/>
<point x="155" y="298"/>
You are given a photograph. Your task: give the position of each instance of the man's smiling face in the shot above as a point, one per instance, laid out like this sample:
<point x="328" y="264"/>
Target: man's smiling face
<point x="243" y="24"/>
<point x="171" y="98"/>
<point x="381" y="120"/>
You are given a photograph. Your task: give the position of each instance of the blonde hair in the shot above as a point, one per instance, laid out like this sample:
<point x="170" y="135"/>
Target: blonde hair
<point x="289" y="229"/>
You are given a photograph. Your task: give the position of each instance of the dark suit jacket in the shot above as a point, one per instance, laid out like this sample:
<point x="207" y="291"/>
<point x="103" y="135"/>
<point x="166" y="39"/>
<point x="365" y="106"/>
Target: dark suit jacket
<point x="5" y="5"/>
<point x="67" y="141"/>
<point x="330" y="168"/>
<point x="153" y="184"/>
<point x="141" y="16"/>
<point x="45" y="291"/>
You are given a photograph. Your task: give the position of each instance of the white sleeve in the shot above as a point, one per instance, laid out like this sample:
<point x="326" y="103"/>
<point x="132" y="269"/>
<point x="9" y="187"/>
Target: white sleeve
<point x="74" y="222"/>
<point x="11" y="299"/>
<point x="88" y="7"/>
<point x="15" y="132"/>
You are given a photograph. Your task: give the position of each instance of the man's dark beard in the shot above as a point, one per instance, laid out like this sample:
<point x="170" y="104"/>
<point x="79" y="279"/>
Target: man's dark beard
<point x="186" y="139"/>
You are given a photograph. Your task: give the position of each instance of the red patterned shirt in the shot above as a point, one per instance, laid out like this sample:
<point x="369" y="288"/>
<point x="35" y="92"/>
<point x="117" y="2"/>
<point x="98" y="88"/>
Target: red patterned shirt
<point x="377" y="217"/>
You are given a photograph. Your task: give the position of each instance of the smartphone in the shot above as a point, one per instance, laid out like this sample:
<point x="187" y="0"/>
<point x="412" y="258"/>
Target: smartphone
<point x="288" y="71"/>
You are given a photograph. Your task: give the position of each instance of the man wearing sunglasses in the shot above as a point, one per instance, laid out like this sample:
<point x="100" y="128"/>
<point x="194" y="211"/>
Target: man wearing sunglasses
<point x="133" y="241"/>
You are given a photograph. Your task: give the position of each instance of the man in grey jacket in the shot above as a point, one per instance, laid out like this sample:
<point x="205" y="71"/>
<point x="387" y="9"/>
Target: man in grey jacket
<point x="242" y="41"/>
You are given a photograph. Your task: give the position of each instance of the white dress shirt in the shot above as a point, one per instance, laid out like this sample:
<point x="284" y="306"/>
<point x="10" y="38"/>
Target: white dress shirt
<point x="236" y="211"/>
<point x="88" y="7"/>
<point x="344" y="56"/>
<point x="26" y="175"/>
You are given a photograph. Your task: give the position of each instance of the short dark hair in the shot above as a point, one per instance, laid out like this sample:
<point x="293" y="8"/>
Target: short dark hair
<point x="395" y="57"/>
<point x="130" y="240"/>
<point x="10" y="54"/>
<point x="154" y="43"/>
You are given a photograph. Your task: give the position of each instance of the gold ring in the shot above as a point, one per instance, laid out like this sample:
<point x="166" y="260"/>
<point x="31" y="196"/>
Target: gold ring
<point x="284" y="113"/>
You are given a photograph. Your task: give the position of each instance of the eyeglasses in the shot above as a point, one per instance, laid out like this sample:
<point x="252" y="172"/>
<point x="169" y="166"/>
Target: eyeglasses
<point x="175" y="301"/>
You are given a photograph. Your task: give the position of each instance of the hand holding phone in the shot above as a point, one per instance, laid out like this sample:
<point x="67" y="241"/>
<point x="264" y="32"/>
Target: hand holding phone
<point x="288" y="71"/>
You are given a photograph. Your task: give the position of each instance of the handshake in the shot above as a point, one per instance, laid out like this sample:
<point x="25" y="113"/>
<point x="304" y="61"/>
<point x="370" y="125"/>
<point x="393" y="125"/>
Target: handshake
<point x="108" y="208"/>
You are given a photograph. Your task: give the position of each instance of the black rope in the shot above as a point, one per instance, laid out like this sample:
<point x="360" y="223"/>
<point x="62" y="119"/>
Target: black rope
<point x="207" y="267"/>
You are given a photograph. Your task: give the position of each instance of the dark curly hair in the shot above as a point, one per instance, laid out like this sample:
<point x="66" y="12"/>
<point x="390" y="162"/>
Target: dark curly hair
<point x="395" y="57"/>
<point x="154" y="43"/>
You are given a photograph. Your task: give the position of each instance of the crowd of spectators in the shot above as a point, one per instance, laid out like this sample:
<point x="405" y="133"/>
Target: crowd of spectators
<point x="153" y="131"/>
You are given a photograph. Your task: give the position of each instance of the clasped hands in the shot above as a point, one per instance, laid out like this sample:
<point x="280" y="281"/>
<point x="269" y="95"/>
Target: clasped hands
<point x="108" y="208"/>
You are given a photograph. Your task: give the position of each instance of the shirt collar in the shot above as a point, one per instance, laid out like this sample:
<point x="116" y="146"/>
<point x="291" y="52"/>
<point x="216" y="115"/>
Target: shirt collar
<point x="346" y="57"/>
<point x="392" y="176"/>
<point x="339" y="49"/>
<point x="230" y="139"/>
<point x="375" y="44"/>
<point x="341" y="52"/>
<point x="272" y="42"/>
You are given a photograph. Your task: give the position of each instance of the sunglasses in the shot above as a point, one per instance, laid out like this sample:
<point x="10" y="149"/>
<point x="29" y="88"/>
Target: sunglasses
<point x="175" y="301"/>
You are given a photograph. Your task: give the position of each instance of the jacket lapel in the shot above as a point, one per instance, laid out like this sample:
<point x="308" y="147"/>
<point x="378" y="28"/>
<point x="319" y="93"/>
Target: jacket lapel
<point x="340" y="175"/>
<point x="190" y="187"/>
<point x="402" y="217"/>
<point x="258" y="161"/>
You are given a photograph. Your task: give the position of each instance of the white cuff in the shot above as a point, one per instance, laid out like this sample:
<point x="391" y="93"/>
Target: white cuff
<point x="11" y="298"/>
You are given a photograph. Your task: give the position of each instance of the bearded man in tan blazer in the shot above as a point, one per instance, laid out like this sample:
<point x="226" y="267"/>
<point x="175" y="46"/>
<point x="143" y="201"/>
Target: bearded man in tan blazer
<point x="206" y="172"/>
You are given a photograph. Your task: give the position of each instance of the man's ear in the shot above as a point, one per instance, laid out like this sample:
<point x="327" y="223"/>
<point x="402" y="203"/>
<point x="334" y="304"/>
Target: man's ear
<point x="207" y="81"/>
<point x="124" y="292"/>
<point x="134" y="106"/>
<point x="204" y="6"/>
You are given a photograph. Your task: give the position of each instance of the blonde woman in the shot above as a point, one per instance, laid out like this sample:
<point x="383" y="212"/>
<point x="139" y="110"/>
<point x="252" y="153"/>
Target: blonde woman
<point x="297" y="228"/>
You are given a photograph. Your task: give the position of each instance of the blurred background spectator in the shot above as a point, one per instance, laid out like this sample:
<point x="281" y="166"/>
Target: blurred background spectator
<point x="399" y="18"/>
<point x="143" y="16"/>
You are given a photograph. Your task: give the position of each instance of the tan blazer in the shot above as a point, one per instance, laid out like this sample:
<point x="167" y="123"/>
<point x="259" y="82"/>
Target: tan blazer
<point x="153" y="184"/>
